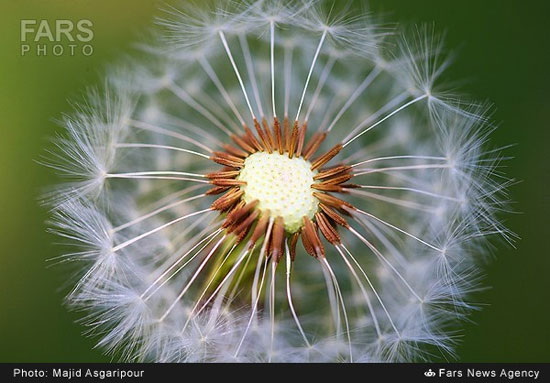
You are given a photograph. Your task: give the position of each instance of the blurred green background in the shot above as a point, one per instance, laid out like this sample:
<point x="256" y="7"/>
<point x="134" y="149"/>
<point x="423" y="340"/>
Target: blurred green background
<point x="504" y="54"/>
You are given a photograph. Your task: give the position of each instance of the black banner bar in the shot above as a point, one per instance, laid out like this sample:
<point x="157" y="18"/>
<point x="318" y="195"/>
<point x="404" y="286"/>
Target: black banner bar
<point x="408" y="372"/>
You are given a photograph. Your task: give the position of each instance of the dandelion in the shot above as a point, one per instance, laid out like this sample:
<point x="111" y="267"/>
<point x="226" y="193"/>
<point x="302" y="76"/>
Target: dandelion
<point x="277" y="182"/>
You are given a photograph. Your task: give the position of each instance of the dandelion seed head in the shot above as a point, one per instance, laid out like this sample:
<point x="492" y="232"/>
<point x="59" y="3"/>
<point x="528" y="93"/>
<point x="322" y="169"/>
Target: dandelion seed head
<point x="273" y="181"/>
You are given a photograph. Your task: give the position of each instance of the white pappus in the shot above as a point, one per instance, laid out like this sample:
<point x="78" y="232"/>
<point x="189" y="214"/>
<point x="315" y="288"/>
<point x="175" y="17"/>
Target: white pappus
<point x="277" y="181"/>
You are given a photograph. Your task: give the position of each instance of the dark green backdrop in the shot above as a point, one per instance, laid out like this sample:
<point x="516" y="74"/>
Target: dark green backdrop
<point x="504" y="54"/>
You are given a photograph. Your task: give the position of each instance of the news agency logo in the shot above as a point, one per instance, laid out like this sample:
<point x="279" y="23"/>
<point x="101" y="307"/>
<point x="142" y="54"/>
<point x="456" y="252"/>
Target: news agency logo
<point x="61" y="37"/>
<point x="429" y="373"/>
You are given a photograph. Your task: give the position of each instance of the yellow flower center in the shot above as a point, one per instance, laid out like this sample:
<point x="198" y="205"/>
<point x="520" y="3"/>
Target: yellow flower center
<point x="282" y="185"/>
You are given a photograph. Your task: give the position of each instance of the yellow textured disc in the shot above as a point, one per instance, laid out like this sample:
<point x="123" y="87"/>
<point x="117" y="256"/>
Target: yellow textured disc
<point x="282" y="185"/>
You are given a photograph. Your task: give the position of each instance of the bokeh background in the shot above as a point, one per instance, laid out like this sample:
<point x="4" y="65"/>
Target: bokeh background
<point x="503" y="56"/>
